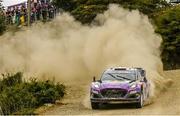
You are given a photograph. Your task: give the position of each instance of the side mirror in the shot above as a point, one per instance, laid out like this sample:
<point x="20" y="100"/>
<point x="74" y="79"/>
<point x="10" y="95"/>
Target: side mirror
<point x="94" y="79"/>
<point x="145" y="80"/>
<point x="143" y="73"/>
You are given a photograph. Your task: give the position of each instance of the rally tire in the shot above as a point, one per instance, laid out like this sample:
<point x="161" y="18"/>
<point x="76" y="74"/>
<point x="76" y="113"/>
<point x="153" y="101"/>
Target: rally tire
<point x="141" y="102"/>
<point x="95" y="105"/>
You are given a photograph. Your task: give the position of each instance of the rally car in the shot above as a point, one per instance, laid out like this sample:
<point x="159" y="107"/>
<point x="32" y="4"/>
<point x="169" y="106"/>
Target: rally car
<point x="120" y="85"/>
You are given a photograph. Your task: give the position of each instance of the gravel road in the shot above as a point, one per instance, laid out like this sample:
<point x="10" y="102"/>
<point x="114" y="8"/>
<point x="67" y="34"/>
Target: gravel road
<point x="167" y="103"/>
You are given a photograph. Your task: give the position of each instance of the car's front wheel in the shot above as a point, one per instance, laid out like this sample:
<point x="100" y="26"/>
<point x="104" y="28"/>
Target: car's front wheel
<point x="95" y="105"/>
<point x="141" y="102"/>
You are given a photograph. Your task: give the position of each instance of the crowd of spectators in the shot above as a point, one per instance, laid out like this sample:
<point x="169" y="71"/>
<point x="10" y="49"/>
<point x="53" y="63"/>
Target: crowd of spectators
<point x="40" y="10"/>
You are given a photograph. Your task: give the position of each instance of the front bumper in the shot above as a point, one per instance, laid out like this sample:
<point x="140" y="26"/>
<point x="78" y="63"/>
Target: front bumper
<point x="115" y="100"/>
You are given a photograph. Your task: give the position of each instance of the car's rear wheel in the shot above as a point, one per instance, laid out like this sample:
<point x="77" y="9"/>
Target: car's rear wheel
<point x="141" y="102"/>
<point x="95" y="105"/>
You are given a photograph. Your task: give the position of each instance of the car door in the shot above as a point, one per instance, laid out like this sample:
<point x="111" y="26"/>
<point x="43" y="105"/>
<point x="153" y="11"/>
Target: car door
<point x="146" y="86"/>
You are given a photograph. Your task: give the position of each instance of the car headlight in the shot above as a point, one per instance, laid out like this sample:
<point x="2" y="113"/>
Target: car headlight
<point x="133" y="92"/>
<point x="94" y="91"/>
<point x="133" y="86"/>
<point x="96" y="86"/>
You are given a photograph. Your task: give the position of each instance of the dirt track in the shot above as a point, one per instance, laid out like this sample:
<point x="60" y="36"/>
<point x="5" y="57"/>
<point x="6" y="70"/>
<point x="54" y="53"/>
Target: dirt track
<point x="166" y="104"/>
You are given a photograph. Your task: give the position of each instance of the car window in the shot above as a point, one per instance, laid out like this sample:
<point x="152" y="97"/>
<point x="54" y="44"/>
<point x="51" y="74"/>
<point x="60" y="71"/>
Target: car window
<point x="125" y="76"/>
<point x="139" y="77"/>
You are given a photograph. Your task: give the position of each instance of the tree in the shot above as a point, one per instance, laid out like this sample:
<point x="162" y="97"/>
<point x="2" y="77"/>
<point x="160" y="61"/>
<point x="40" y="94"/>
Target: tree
<point x="67" y="5"/>
<point x="2" y="18"/>
<point x="168" y="25"/>
<point x="86" y="10"/>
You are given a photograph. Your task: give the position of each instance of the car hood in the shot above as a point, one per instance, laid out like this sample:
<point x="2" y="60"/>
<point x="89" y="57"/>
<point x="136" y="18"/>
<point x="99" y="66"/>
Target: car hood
<point x="115" y="84"/>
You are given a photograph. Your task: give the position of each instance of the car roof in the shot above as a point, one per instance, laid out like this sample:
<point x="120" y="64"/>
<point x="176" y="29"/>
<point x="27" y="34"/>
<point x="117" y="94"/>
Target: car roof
<point x="120" y="69"/>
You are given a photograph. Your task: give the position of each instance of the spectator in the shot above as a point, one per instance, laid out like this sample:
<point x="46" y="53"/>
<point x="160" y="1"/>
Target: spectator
<point x="40" y="9"/>
<point x="50" y="11"/>
<point x="13" y="16"/>
<point x="44" y="11"/>
<point x="8" y="16"/>
<point x="22" y="16"/>
<point x="17" y="13"/>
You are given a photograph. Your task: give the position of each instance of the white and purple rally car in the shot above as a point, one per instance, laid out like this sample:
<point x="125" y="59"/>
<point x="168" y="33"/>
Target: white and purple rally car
<point x="120" y="85"/>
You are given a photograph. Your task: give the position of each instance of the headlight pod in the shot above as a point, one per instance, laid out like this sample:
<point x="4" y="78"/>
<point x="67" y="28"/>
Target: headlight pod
<point x="133" y="86"/>
<point x="96" y="86"/>
<point x="133" y="92"/>
<point x="95" y="92"/>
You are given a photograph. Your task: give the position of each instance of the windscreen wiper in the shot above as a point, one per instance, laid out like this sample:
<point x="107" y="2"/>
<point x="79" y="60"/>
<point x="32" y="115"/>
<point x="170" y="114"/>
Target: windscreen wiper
<point x="123" y="77"/>
<point x="132" y="81"/>
<point x="113" y="76"/>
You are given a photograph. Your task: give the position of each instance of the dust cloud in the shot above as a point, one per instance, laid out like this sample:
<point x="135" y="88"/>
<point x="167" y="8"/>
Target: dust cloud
<point x="66" y="50"/>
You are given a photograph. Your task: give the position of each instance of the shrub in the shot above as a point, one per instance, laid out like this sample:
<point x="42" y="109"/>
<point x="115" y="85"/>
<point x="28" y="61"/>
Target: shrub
<point x="2" y="19"/>
<point x="18" y="96"/>
<point x="87" y="13"/>
<point x="168" y="25"/>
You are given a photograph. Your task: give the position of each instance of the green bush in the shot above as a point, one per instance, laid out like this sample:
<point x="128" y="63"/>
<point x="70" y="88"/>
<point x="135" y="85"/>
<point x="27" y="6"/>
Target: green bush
<point x="67" y="5"/>
<point x="2" y="19"/>
<point x="86" y="14"/>
<point x="2" y="24"/>
<point x="17" y="96"/>
<point x="168" y="25"/>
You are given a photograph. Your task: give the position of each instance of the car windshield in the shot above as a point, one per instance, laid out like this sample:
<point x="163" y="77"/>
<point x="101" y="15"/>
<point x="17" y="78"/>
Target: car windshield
<point x="122" y="76"/>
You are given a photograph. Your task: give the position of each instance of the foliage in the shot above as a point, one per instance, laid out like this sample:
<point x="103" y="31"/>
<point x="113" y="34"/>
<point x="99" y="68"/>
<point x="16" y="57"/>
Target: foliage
<point x="168" y="25"/>
<point x="2" y="19"/>
<point x="67" y="5"/>
<point x="86" y="10"/>
<point x="86" y="14"/>
<point x="18" y="96"/>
